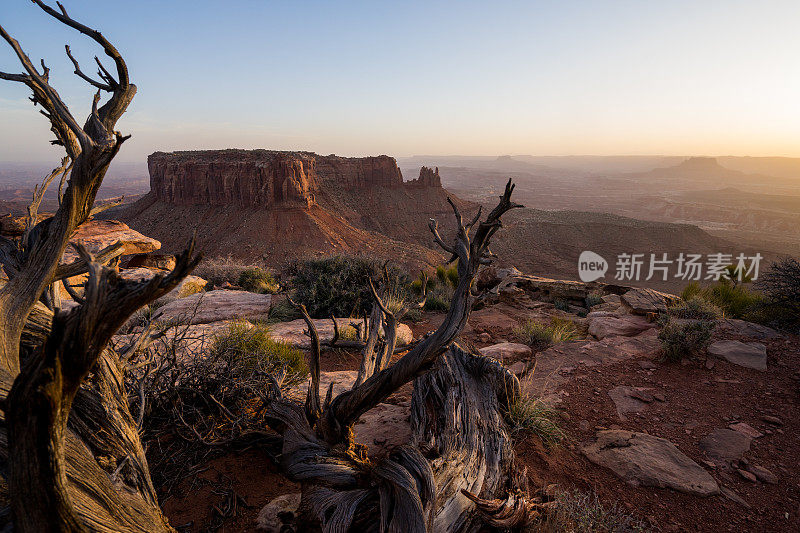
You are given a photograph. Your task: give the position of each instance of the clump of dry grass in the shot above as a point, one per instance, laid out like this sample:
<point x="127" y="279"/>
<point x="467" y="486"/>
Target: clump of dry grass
<point x="221" y="270"/>
<point x="537" y="334"/>
<point x="583" y="512"/>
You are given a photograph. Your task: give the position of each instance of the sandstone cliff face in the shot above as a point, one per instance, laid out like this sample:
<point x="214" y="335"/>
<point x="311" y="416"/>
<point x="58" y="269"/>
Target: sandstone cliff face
<point x="256" y="178"/>
<point x="265" y="178"/>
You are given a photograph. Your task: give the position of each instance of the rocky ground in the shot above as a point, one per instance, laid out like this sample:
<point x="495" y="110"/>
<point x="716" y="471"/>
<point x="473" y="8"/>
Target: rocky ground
<point x="707" y="444"/>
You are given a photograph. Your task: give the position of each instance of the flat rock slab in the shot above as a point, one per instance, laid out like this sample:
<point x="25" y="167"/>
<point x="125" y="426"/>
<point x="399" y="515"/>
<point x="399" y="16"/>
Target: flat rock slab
<point x="552" y="365"/>
<point x="507" y="350"/>
<point x="293" y="332"/>
<point x="725" y="445"/>
<point x="746" y="329"/>
<point x="613" y="326"/>
<point x="641" y="301"/>
<point x="747" y="354"/>
<point x="630" y="399"/>
<point x="642" y="459"/>
<point x="216" y="306"/>
<point x="97" y="234"/>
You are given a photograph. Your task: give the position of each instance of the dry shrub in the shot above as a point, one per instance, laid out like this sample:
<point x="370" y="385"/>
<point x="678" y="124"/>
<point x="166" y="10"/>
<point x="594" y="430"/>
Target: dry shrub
<point x="538" y="335"/>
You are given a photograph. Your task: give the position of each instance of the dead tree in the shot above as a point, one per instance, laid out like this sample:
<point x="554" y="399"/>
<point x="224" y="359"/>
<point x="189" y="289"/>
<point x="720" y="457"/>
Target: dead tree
<point x="68" y="444"/>
<point x="458" y="472"/>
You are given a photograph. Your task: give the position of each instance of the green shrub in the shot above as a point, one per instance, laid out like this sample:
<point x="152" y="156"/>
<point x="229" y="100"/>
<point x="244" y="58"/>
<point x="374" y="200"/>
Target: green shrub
<point x="438" y="298"/>
<point x="687" y="339"/>
<point x="338" y="285"/>
<point x="781" y="287"/>
<point x="697" y="308"/>
<point x="561" y="305"/>
<point x="283" y="311"/>
<point x="733" y="300"/>
<point x="447" y="274"/>
<point x="531" y="414"/>
<point x="258" y="280"/>
<point x="348" y="333"/>
<point x="251" y="349"/>
<point x="593" y="299"/>
<point x="537" y="334"/>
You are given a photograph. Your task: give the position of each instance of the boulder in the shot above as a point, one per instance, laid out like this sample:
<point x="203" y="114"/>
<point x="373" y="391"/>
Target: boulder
<point x="293" y="332"/>
<point x="490" y="276"/>
<point x="642" y="459"/>
<point x="279" y="513"/>
<point x="747" y="354"/>
<point x="641" y="301"/>
<point x="725" y="445"/>
<point x="216" y="306"/>
<point x="611" y="326"/>
<point x="507" y="350"/>
<point x="98" y="234"/>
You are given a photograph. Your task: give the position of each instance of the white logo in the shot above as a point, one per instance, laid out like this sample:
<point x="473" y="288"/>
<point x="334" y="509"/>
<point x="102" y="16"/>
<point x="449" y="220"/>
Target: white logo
<point x="591" y="266"/>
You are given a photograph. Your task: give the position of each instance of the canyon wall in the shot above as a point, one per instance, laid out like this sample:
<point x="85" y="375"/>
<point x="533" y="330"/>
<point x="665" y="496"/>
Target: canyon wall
<point x="264" y="178"/>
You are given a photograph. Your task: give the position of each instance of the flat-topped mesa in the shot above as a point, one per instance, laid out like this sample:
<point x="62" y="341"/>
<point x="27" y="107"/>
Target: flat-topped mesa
<point x="264" y="178"/>
<point x="249" y="178"/>
<point x="427" y="178"/>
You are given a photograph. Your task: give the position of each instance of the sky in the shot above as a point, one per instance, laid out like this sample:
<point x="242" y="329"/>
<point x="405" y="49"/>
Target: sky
<point x="402" y="78"/>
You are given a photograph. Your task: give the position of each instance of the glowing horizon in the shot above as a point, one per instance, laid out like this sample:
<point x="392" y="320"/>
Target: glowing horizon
<point x="359" y="78"/>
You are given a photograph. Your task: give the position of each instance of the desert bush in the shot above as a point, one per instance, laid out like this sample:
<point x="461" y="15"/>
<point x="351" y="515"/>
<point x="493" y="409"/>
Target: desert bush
<point x="733" y="300"/>
<point x="438" y="298"/>
<point x="526" y="413"/>
<point x="447" y="274"/>
<point x="536" y="334"/>
<point x="221" y="270"/>
<point x="780" y="285"/>
<point x="338" y="285"/>
<point x="696" y="308"/>
<point x="561" y="305"/>
<point x="258" y="280"/>
<point x="283" y="311"/>
<point x="593" y="299"/>
<point x="582" y="512"/>
<point x="207" y="391"/>
<point x="684" y="339"/>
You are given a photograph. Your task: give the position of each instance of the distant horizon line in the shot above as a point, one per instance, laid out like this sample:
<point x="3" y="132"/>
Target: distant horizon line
<point x="485" y="156"/>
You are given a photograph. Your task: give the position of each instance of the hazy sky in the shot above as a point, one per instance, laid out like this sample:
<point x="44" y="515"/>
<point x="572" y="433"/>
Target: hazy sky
<point x="403" y="78"/>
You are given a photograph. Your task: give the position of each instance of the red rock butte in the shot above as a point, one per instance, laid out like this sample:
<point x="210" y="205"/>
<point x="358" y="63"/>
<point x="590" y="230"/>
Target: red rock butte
<point x="266" y="178"/>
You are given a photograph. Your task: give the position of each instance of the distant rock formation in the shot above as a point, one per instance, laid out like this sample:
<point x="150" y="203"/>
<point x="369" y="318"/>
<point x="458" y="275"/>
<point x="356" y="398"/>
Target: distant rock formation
<point x="265" y="178"/>
<point x="427" y="178"/>
<point x="704" y="164"/>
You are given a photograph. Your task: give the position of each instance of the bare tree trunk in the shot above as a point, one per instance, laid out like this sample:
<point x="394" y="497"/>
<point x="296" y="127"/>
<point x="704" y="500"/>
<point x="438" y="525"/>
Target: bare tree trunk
<point x="68" y="445"/>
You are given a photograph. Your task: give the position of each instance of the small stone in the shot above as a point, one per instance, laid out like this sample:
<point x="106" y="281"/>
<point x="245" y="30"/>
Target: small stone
<point x="749" y="476"/>
<point x="732" y="496"/>
<point x="710" y="364"/>
<point x="659" y="396"/>
<point x="485" y="338"/>
<point x="774" y="420"/>
<point x="763" y="474"/>
<point x="379" y="441"/>
<point x="647" y="365"/>
<point x="747" y="429"/>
